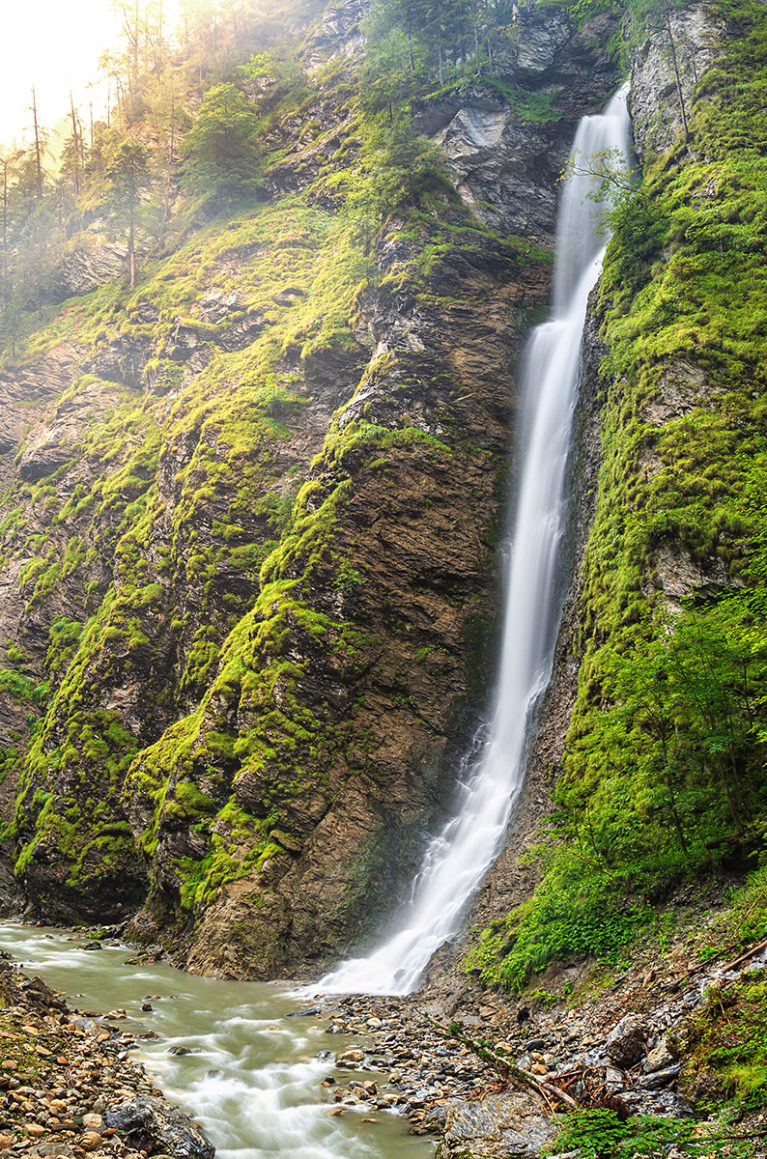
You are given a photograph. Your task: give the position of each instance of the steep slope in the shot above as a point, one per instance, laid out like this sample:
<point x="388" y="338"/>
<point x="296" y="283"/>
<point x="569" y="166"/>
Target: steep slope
<point x="654" y="715"/>
<point x="249" y="535"/>
<point x="622" y="954"/>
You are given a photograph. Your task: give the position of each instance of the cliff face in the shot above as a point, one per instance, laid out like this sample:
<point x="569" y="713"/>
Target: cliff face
<point x="657" y="122"/>
<point x="662" y="653"/>
<point x="250" y="518"/>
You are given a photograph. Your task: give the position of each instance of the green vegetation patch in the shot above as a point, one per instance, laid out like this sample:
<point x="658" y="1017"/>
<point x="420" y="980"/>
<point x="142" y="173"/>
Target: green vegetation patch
<point x="602" y="1135"/>
<point x="664" y="765"/>
<point x="725" y="1044"/>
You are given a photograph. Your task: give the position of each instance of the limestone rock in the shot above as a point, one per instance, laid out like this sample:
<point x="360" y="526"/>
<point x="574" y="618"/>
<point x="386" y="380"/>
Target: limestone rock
<point x="658" y="1059"/>
<point x="499" y="1127"/>
<point x="658" y="1079"/>
<point x="655" y="104"/>
<point x="338" y="33"/>
<point x="147" y="1124"/>
<point x="679" y="575"/>
<point x="542" y="38"/>
<point x="89" y="265"/>
<point x="625" y="1044"/>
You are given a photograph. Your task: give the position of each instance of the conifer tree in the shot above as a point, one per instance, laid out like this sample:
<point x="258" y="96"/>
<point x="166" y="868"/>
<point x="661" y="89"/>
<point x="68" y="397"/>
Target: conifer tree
<point x="220" y="148"/>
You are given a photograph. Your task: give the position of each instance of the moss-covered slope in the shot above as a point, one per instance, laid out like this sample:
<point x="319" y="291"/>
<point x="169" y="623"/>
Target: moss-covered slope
<point x="664" y="760"/>
<point x="249" y="518"/>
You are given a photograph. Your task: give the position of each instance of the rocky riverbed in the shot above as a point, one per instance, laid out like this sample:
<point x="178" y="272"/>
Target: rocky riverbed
<point x="440" y="1058"/>
<point x="67" y="1087"/>
<point x="629" y="1047"/>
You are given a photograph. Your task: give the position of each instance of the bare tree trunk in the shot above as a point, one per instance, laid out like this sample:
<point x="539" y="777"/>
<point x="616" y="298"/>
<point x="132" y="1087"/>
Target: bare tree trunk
<point x="4" y="164"/>
<point x="170" y="161"/>
<point x="38" y="148"/>
<point x="134" y="69"/>
<point x="132" y="249"/>
<point x="677" y="78"/>
<point x="409" y="33"/>
<point x="76" y="143"/>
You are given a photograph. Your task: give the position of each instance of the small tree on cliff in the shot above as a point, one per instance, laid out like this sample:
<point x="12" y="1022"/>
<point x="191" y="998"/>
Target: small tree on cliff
<point x="127" y="175"/>
<point x="220" y="148"/>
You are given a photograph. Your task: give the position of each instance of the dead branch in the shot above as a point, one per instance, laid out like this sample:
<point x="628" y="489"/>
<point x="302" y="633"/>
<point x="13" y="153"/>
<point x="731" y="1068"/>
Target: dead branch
<point x="744" y="957"/>
<point x="509" y="1070"/>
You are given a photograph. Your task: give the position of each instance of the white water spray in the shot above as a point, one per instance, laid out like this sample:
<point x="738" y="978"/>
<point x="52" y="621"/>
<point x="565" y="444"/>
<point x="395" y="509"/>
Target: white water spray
<point x="457" y="860"/>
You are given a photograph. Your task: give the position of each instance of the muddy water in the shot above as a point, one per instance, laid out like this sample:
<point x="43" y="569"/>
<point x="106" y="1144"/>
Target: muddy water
<point x="253" y="1077"/>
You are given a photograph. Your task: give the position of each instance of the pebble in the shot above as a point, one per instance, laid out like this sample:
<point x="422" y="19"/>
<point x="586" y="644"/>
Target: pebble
<point x="420" y="1070"/>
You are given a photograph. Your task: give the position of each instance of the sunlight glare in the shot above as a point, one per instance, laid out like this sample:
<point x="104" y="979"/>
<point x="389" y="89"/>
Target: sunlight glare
<point x="50" y="44"/>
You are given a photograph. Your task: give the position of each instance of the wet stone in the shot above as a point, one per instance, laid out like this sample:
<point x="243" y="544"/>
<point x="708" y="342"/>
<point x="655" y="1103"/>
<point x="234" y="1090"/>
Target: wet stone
<point x="90" y="1141"/>
<point x="658" y="1059"/>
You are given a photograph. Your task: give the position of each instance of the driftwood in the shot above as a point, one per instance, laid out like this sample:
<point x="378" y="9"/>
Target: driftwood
<point x="744" y="957"/>
<point x="507" y="1069"/>
<point x="744" y="1135"/>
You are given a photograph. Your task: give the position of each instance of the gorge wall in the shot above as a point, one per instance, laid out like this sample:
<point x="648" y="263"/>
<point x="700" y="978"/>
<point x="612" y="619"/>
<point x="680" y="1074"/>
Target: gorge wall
<point x="630" y="801"/>
<point x="252" y="505"/>
<point x="252" y="512"/>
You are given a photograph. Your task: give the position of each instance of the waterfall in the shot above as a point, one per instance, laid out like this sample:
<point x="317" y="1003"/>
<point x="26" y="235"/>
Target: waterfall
<point x="457" y="860"/>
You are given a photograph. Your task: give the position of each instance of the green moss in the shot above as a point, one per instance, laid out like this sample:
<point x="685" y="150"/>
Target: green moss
<point x="238" y="846"/>
<point x="664" y="767"/>
<point x="727" y="1042"/>
<point x="589" y="1132"/>
<point x="23" y="689"/>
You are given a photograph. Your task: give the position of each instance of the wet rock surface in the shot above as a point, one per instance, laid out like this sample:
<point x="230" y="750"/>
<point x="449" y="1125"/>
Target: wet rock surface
<point x="67" y="1087"/>
<point x="147" y="1122"/>
<point x="506" y="167"/>
<point x="666" y="66"/>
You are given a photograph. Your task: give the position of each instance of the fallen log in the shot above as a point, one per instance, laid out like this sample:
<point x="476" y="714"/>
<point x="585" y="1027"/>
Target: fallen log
<point x="507" y="1069"/>
<point x="744" y="957"/>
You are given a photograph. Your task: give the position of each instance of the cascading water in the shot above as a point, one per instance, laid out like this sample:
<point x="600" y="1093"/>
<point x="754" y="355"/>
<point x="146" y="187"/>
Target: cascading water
<point x="457" y="860"/>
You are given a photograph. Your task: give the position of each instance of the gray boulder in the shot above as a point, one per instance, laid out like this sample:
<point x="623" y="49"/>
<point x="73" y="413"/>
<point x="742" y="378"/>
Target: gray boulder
<point x="625" y="1044"/>
<point x="155" y="1127"/>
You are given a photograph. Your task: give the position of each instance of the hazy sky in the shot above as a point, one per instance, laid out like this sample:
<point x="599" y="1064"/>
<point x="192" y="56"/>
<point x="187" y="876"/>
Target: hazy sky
<point x="49" y="43"/>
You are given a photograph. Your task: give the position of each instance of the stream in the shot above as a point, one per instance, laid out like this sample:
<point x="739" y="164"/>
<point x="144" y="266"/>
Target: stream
<point x="253" y="1071"/>
<point x="253" y="1079"/>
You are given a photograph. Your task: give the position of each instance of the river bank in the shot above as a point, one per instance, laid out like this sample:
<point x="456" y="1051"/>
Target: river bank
<point x="69" y="1088"/>
<point x="671" y="1044"/>
<point x="243" y="1058"/>
<point x="640" y="1040"/>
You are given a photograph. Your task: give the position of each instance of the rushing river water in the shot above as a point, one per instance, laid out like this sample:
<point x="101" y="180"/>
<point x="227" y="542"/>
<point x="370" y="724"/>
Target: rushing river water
<point x="253" y="1075"/>
<point x="254" y="1078"/>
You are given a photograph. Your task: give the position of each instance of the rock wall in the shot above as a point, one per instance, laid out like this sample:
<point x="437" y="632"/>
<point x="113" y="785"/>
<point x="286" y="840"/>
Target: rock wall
<point x="661" y="404"/>
<point x="248" y="552"/>
<point x="665" y="67"/>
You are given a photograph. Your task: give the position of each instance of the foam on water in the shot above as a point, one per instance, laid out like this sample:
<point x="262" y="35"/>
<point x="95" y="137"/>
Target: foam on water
<point x="254" y="1076"/>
